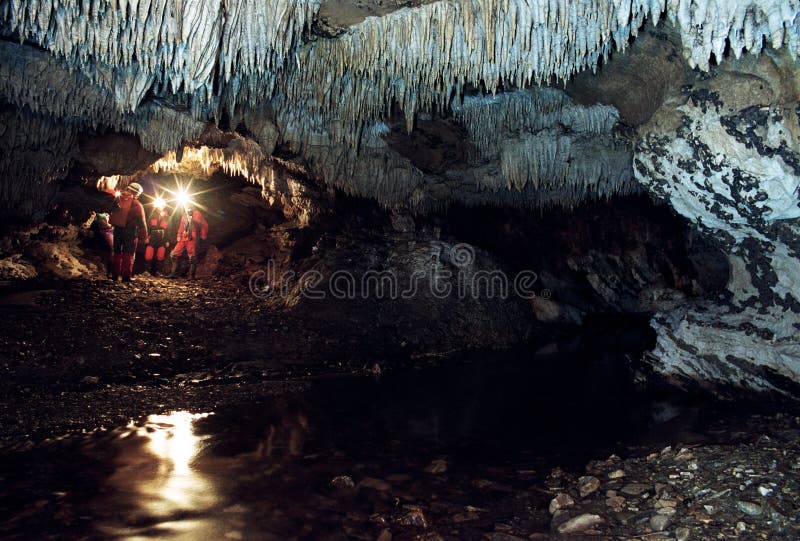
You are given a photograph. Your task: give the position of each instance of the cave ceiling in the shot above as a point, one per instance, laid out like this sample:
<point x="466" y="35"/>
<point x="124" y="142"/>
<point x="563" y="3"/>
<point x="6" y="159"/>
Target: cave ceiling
<point x="417" y="104"/>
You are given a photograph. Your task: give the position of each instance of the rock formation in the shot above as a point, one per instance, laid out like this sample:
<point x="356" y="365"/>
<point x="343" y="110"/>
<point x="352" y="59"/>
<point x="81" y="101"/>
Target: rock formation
<point x="727" y="157"/>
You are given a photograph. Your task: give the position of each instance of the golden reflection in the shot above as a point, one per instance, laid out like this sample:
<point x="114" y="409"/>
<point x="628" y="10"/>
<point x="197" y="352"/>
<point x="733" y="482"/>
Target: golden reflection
<point x="156" y="483"/>
<point x="172" y="440"/>
<point x="168" y="484"/>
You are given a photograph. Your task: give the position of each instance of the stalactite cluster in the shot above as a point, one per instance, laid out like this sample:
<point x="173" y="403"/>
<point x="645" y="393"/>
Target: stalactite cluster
<point x="189" y="46"/>
<point x="34" y="150"/>
<point x="241" y="157"/>
<point x="422" y="58"/>
<point x="33" y="79"/>
<point x="489" y="119"/>
<point x="162" y="68"/>
<point x="555" y="160"/>
<point x="244" y="157"/>
<point x="536" y="149"/>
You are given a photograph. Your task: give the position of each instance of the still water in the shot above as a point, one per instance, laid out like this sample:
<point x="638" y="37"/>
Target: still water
<point x="455" y="452"/>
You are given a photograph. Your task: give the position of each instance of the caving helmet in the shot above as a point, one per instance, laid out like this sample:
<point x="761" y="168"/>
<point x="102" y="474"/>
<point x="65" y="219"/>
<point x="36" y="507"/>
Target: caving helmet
<point x="135" y="188"/>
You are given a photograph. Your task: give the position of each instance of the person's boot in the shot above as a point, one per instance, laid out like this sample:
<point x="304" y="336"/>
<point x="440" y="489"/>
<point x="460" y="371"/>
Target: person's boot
<point x="174" y="269"/>
<point x="192" y="269"/>
<point x="116" y="266"/>
<point x="127" y="267"/>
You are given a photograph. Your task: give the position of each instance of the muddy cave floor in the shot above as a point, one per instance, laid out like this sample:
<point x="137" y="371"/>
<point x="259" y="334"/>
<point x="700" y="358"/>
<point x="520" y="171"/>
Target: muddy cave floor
<point x="305" y="441"/>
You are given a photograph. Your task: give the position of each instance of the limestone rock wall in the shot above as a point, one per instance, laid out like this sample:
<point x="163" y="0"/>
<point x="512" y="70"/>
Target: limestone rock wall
<point x="727" y="157"/>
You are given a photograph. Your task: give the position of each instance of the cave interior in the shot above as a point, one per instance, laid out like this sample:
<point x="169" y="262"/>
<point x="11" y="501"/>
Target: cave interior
<point x="412" y="270"/>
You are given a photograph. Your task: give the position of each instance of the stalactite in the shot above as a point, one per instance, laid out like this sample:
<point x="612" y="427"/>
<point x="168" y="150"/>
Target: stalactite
<point x="162" y="128"/>
<point x="242" y="157"/>
<point x="489" y="119"/>
<point x="573" y="165"/>
<point x="34" y="79"/>
<point x="416" y="58"/>
<point x="160" y="69"/>
<point x="34" y="151"/>
<point x="127" y="46"/>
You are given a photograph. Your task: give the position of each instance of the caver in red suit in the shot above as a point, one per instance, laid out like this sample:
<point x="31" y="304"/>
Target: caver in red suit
<point x="156" y="250"/>
<point x="192" y="229"/>
<point x="130" y="228"/>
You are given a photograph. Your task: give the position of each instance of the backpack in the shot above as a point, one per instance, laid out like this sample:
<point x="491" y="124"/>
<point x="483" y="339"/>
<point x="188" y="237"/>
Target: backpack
<point x="119" y="218"/>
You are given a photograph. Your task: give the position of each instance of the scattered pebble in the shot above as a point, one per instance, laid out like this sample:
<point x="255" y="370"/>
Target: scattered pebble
<point x="659" y="522"/>
<point x="616" y="474"/>
<point x="581" y="523"/>
<point x="415" y="517"/>
<point x="561" y="501"/>
<point x="436" y="467"/>
<point x="749" y="508"/>
<point x="635" y="489"/>
<point x="343" y="482"/>
<point x="587" y="485"/>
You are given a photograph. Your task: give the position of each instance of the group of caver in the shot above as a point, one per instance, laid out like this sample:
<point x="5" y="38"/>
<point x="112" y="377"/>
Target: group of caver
<point x="129" y="229"/>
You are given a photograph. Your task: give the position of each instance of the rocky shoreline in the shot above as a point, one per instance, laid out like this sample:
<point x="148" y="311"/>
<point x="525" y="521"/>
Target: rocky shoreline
<point x="747" y="490"/>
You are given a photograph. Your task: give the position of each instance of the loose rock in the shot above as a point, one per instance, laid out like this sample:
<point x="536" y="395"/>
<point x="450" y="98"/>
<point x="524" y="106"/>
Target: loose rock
<point x="436" y="467"/>
<point x="561" y="501"/>
<point x="749" y="508"/>
<point x="587" y="485"/>
<point x="342" y="482"/>
<point x="581" y="523"/>
<point x="659" y="522"/>
<point x="635" y="489"/>
<point x="616" y="474"/>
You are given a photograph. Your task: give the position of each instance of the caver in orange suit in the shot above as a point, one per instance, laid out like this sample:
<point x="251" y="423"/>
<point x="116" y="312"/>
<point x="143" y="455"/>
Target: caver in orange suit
<point x="192" y="230"/>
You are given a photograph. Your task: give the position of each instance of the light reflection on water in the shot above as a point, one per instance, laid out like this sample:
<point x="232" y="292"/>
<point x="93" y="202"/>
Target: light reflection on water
<point x="263" y="469"/>
<point x="158" y="488"/>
